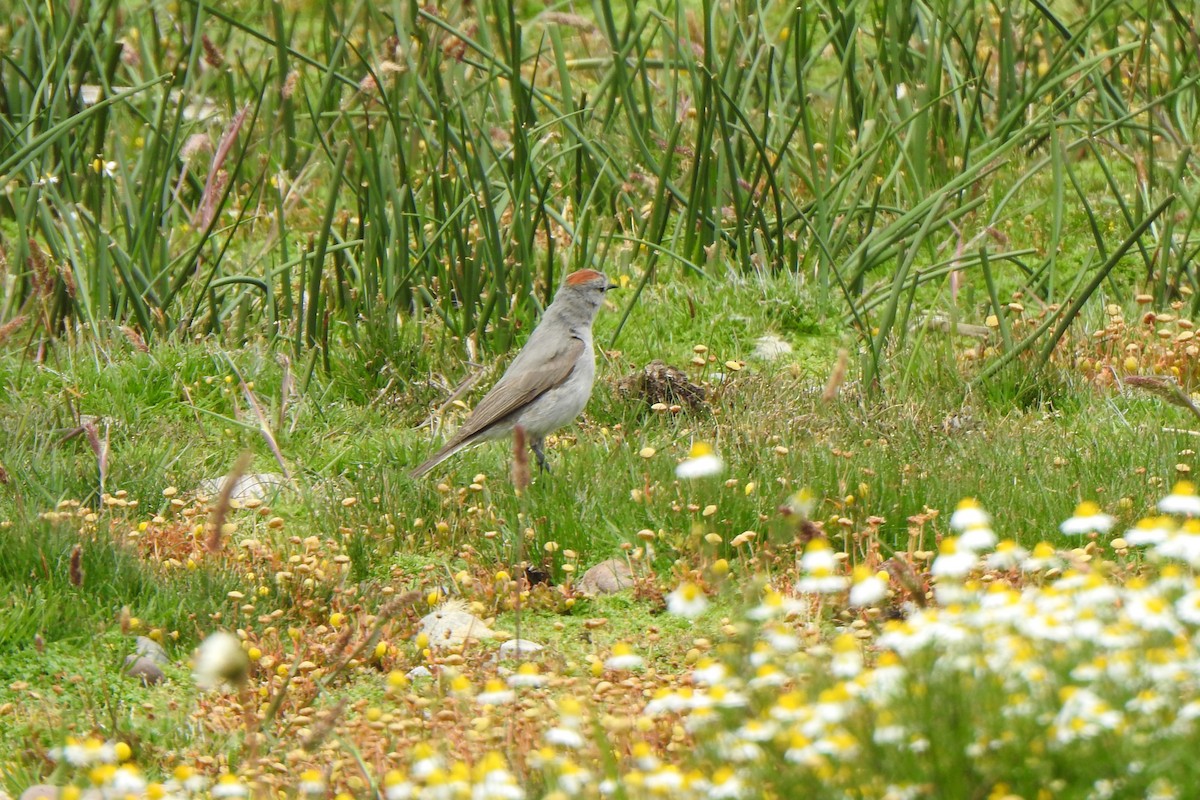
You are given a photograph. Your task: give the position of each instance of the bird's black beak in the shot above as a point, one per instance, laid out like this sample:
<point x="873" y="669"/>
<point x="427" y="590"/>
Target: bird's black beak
<point x="608" y="286"/>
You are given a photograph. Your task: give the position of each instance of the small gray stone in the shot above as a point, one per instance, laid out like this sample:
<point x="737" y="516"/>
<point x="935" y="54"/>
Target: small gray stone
<point x="451" y="624"/>
<point x="607" y="577"/>
<point x="771" y="347"/>
<point x="419" y="672"/>
<point x="258" y="486"/>
<point x="519" y="647"/>
<point x="40" y="791"/>
<point x="195" y="109"/>
<point x="152" y="650"/>
<point x="941" y="322"/>
<point x="147" y="671"/>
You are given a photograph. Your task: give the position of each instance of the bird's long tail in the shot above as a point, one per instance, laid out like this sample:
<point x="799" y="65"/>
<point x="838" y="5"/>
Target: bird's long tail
<point x="450" y="449"/>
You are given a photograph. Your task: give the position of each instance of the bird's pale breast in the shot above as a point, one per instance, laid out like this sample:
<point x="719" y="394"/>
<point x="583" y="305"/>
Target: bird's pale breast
<point x="562" y="404"/>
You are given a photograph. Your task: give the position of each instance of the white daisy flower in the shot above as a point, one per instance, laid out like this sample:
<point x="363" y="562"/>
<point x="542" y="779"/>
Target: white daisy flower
<point x="220" y="662"/>
<point x="495" y="694"/>
<point x="821" y="570"/>
<point x="527" y="675"/>
<point x="1182" y="500"/>
<point x="969" y="514"/>
<point x="953" y="562"/>
<point x="869" y="588"/>
<point x="977" y="538"/>
<point x="687" y="600"/>
<point x="311" y="782"/>
<point x="1088" y="519"/>
<point x="1151" y="530"/>
<point x="623" y="658"/>
<point x="700" y="463"/>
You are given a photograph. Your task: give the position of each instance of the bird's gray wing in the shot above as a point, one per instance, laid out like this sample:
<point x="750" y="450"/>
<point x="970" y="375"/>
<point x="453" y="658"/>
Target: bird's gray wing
<point x="514" y="391"/>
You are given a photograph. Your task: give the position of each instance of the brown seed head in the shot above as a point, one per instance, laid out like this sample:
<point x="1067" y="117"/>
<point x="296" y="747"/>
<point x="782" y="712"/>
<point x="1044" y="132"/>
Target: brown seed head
<point x="212" y="53"/>
<point x="11" y="327"/>
<point x="520" y="470"/>
<point x="76" y="570"/>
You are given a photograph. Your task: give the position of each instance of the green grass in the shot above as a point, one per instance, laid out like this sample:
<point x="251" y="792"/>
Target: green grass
<point x="929" y="446"/>
<point x="383" y="164"/>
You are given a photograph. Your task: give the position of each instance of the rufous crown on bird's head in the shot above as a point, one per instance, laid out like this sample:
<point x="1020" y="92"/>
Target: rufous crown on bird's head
<point x="580" y="277"/>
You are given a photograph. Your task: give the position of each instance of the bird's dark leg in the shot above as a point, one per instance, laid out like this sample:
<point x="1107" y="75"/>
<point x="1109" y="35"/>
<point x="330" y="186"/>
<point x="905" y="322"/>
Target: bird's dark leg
<point x="538" y="447"/>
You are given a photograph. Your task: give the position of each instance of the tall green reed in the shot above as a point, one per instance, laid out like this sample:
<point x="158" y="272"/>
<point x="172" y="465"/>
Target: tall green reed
<point x="329" y="177"/>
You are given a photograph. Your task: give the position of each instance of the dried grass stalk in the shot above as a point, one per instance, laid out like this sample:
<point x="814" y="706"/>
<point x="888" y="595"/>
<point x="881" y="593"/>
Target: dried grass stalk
<point x="216" y="519"/>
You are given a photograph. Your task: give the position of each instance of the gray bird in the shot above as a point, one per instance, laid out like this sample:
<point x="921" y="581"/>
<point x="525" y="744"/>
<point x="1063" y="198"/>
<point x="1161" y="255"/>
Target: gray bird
<point x="548" y="383"/>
